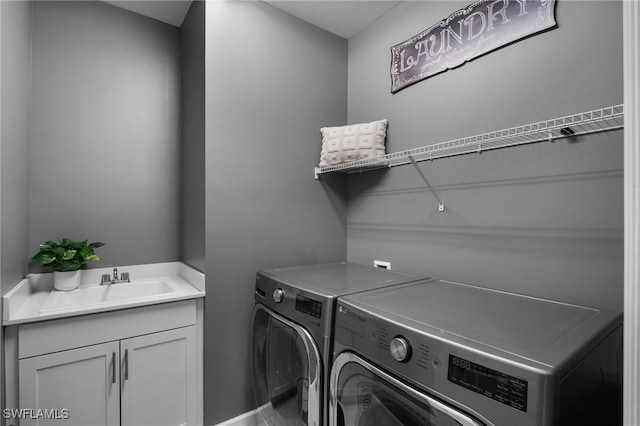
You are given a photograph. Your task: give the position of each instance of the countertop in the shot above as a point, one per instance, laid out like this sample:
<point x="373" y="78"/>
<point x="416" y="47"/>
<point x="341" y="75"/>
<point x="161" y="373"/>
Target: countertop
<point x="33" y="298"/>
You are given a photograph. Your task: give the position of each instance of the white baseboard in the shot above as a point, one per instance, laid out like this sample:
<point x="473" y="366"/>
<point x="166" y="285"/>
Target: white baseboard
<point x="247" y="419"/>
<point x="261" y="416"/>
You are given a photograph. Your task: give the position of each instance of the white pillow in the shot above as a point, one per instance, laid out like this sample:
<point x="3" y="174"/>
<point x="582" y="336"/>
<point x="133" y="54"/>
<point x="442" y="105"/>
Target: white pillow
<point x="352" y="142"/>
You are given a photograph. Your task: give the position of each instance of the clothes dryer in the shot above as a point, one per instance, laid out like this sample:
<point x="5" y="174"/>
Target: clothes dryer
<point x="443" y="354"/>
<point x="292" y="335"/>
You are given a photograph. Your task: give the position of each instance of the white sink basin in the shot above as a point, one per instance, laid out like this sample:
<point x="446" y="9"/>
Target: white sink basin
<point x="86" y="296"/>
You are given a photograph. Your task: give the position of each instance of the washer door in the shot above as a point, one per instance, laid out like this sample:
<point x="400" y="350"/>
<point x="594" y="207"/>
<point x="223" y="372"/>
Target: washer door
<point x="363" y="395"/>
<point x="286" y="368"/>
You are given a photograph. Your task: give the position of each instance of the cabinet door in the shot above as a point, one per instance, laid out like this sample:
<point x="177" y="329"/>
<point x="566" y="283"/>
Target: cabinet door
<point x="78" y="387"/>
<point x="158" y="374"/>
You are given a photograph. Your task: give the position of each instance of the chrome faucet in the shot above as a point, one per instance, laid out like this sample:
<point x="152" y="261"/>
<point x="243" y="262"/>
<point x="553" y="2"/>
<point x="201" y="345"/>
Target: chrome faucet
<point x="106" y="278"/>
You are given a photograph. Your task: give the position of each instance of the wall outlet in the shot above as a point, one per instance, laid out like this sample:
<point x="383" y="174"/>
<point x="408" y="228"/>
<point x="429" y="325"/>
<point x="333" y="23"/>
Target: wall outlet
<point x="382" y="264"/>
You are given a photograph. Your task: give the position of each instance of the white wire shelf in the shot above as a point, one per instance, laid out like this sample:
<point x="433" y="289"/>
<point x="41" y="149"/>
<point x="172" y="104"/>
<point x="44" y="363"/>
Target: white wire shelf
<point x="597" y="120"/>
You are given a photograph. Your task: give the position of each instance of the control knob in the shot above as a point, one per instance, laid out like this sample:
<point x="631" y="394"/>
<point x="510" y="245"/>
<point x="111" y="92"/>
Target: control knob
<point x="400" y="349"/>
<point x="278" y="295"/>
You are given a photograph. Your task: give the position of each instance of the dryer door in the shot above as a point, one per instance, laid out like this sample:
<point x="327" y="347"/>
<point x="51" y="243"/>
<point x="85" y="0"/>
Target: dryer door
<point x="363" y="395"/>
<point x="286" y="368"/>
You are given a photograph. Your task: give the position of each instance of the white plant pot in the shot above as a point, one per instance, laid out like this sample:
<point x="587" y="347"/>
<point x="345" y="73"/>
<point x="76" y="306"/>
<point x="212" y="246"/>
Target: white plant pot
<point x="66" y="281"/>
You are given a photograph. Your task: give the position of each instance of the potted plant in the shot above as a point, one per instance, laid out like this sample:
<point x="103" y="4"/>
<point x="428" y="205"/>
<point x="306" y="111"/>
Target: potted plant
<point x="67" y="258"/>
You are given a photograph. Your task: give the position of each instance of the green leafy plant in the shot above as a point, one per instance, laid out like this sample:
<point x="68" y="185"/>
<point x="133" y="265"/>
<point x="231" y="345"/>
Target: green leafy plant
<point x="66" y="254"/>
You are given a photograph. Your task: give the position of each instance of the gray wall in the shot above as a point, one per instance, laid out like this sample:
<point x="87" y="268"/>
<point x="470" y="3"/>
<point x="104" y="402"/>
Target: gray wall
<point x="15" y="80"/>
<point x="105" y="131"/>
<point x="16" y="87"/>
<point x="193" y="137"/>
<point x="544" y="219"/>
<point x="272" y="82"/>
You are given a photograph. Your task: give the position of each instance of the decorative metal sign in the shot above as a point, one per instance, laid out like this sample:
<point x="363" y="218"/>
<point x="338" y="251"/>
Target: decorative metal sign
<point x="466" y="34"/>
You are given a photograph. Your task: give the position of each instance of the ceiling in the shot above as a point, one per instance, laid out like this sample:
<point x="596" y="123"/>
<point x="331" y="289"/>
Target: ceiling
<point x="342" y="17"/>
<point x="168" y="11"/>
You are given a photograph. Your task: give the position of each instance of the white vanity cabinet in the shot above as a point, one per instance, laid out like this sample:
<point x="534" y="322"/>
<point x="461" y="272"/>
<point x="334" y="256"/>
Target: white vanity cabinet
<point x="158" y="378"/>
<point x="132" y="367"/>
<point x="78" y="386"/>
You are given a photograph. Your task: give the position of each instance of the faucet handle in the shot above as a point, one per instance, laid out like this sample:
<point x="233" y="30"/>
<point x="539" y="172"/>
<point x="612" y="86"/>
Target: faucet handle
<point x="125" y="277"/>
<point x="106" y="278"/>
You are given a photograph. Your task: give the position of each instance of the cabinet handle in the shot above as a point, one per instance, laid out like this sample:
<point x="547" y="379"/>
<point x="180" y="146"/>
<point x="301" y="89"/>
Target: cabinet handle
<point x="113" y="366"/>
<point x="126" y="364"/>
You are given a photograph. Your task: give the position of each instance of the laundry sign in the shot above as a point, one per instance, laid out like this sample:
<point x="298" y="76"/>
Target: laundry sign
<point x="468" y="33"/>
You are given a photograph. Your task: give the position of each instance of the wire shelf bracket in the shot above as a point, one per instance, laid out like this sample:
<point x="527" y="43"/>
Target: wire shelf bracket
<point x="426" y="181"/>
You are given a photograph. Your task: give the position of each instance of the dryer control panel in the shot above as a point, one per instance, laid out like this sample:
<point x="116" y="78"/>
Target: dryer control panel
<point x="308" y="306"/>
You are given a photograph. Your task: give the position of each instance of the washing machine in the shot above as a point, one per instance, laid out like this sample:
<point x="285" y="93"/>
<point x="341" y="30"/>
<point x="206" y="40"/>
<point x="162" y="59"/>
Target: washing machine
<point x="293" y="320"/>
<point x="442" y="353"/>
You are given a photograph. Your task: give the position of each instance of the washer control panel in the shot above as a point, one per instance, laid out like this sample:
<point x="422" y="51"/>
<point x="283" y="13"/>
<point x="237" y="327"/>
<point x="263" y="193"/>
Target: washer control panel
<point x="400" y="349"/>
<point x="509" y="390"/>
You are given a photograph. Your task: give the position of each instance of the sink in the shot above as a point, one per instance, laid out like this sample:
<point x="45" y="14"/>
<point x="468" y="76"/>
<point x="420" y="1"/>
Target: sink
<point x="95" y="295"/>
